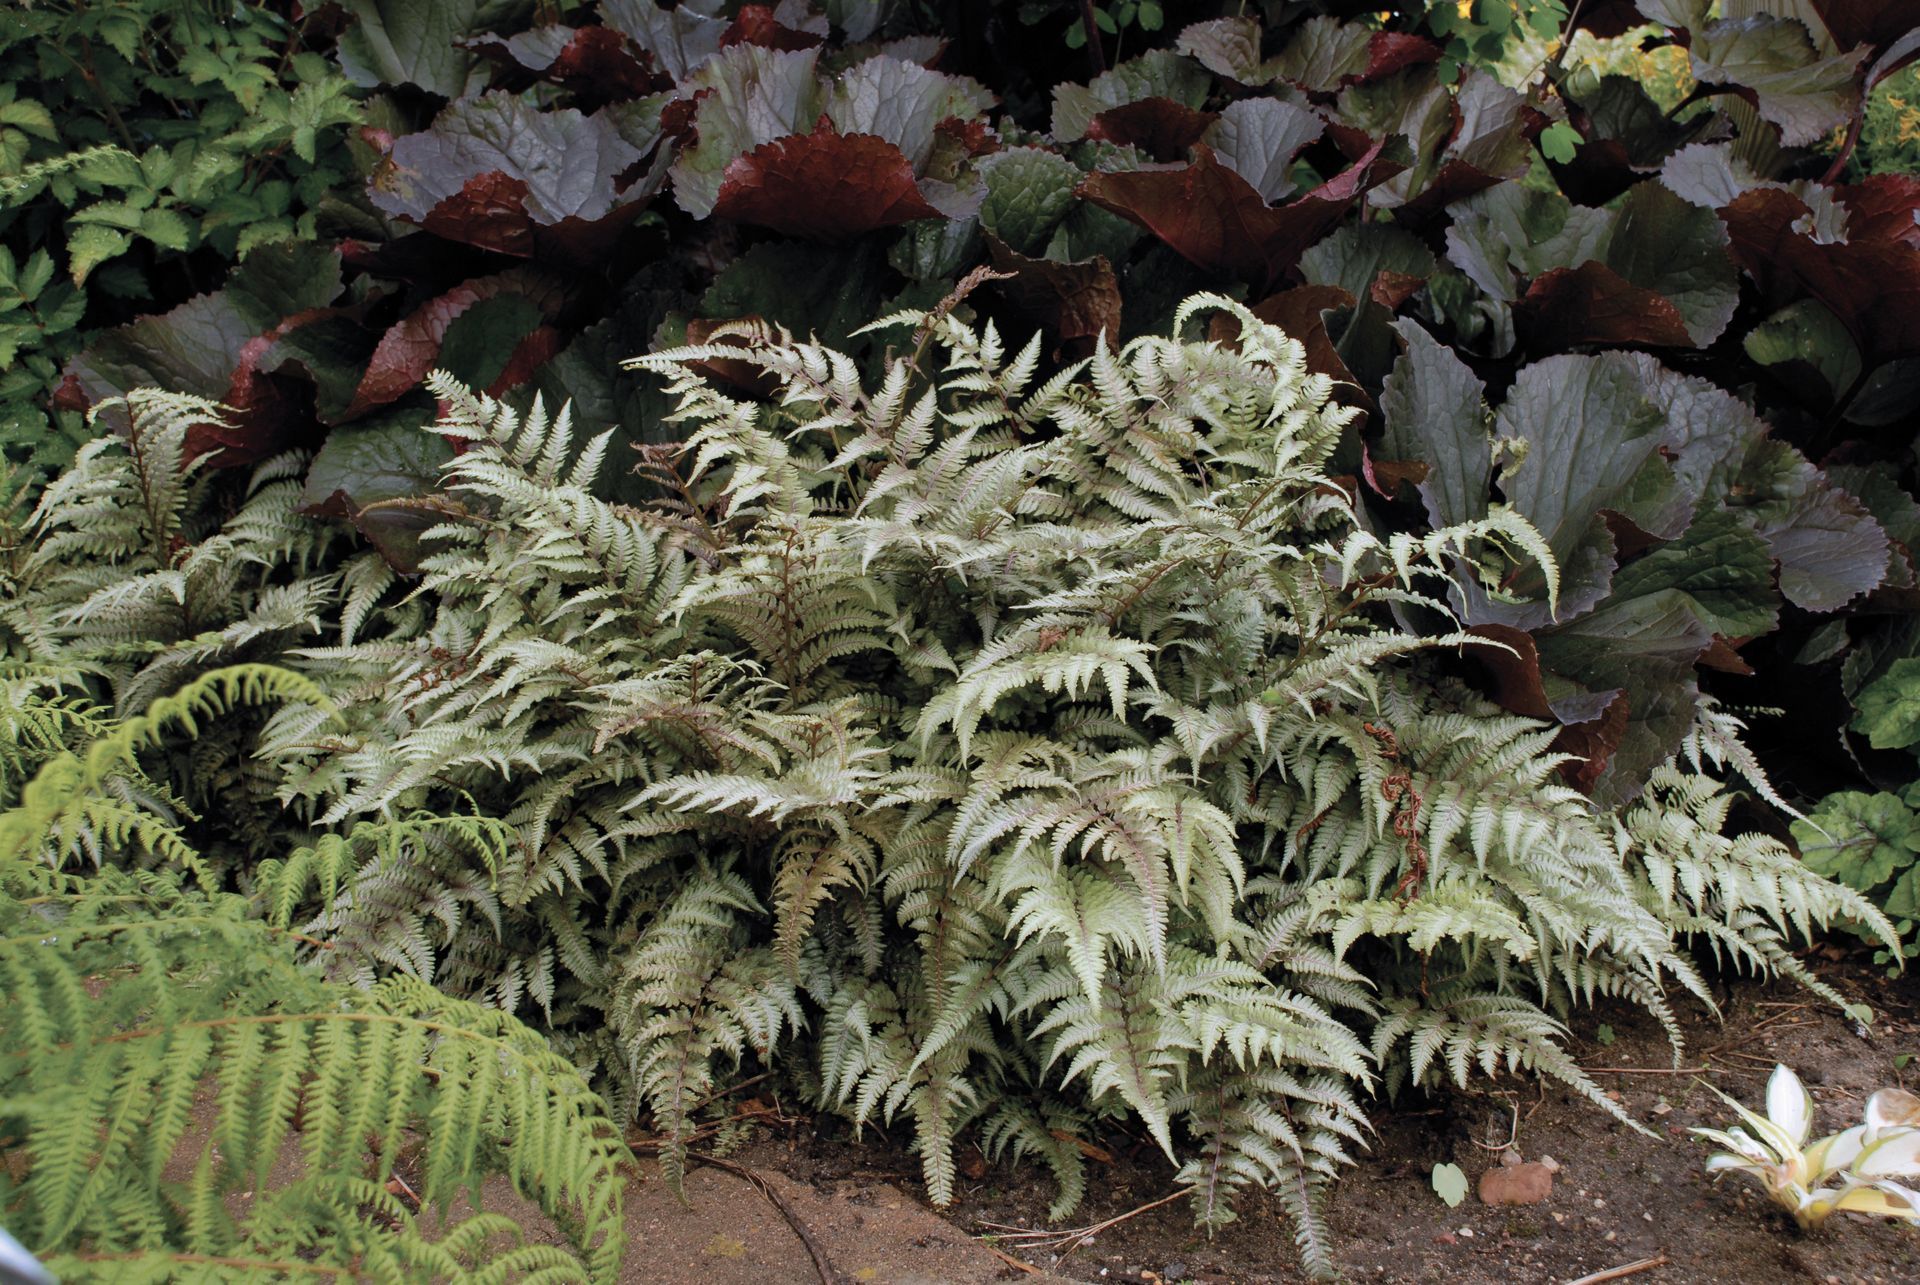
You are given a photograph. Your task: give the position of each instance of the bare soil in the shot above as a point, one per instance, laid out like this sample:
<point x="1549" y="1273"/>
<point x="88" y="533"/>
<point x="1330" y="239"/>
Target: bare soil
<point x="1619" y="1197"/>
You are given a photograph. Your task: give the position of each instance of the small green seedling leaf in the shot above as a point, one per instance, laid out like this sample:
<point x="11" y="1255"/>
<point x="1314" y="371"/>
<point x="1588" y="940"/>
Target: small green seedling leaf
<point x="1450" y="1184"/>
<point x="1605" y="1034"/>
<point x="1860" y="1013"/>
<point x="1558" y="141"/>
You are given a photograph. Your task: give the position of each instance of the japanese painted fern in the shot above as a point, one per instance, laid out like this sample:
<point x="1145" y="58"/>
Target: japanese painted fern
<point x="996" y="752"/>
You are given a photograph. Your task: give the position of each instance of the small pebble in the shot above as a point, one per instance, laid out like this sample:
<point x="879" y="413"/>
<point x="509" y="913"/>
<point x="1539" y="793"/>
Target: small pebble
<point x="1549" y="1164"/>
<point x="1467" y="1232"/>
<point x="1599" y="1203"/>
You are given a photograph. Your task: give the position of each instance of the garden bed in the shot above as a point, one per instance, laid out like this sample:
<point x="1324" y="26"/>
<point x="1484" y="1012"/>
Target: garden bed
<point x="1619" y="1198"/>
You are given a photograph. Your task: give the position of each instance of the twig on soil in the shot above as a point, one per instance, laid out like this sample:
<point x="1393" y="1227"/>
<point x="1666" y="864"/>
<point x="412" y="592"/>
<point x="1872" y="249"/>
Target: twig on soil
<point x="1615" y="1273"/>
<point x="730" y="1090"/>
<point x="1513" y="1134"/>
<point x="1074" y="1237"/>
<point x="821" y="1263"/>
<point x="1749" y="1057"/>
<point x="1651" y="1070"/>
<point x="1754" y="1033"/>
<point x="1010" y="1260"/>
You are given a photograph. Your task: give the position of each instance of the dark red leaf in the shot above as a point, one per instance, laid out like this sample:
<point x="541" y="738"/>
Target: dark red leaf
<point x="1608" y="18"/>
<point x="599" y="65"/>
<point x="69" y="395"/>
<point x="676" y="118"/>
<point x="1301" y="312"/>
<point x="1514" y="662"/>
<point x="1160" y="127"/>
<point x="264" y="406"/>
<point x="1870" y="281"/>
<point x="1720" y="655"/>
<point x="823" y="186"/>
<point x="1216" y="219"/>
<point x="1391" y="51"/>
<point x="1878" y="23"/>
<point x="489" y="211"/>
<point x="756" y="25"/>
<point x="531" y="353"/>
<point x="497" y="173"/>
<point x="1593" y="742"/>
<point x="1593" y="304"/>
<point x="1391" y="289"/>
<point x="974" y="137"/>
<point x="1456" y="181"/>
<point x="1386" y="477"/>
<point x="1073" y="302"/>
<point x="411" y="349"/>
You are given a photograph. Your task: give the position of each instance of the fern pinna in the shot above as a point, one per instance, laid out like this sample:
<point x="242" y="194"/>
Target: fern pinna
<point x="164" y="1047"/>
<point x="1000" y="753"/>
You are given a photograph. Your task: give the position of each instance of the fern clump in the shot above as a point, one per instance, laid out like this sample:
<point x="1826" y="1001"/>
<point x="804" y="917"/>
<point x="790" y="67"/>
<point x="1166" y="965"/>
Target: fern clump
<point x="165" y="1048"/>
<point x="996" y="753"/>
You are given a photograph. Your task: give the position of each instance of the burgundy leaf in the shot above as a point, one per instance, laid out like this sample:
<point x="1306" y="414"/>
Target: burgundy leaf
<point x="265" y="407"/>
<point x="531" y="353"/>
<point x="1593" y="304"/>
<point x="1870" y="280"/>
<point x="1593" y="742"/>
<point x="600" y="66"/>
<point x="489" y="211"/>
<point x="596" y="64"/>
<point x="1216" y="219"/>
<point x="756" y="25"/>
<point x="676" y="118"/>
<point x="823" y="186"/>
<point x="974" y="137"/>
<point x="497" y="173"/>
<point x="1391" y="289"/>
<point x="1160" y="127"/>
<point x="1608" y="18"/>
<point x="1721" y="655"/>
<point x="1391" y="51"/>
<point x="1073" y="302"/>
<point x="412" y="348"/>
<point x="1878" y="23"/>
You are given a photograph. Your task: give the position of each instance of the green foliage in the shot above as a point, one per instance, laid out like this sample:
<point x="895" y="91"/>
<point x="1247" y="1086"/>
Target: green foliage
<point x="1890" y="139"/>
<point x="136" y="138"/>
<point x="1871" y="841"/>
<point x="165" y="1049"/>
